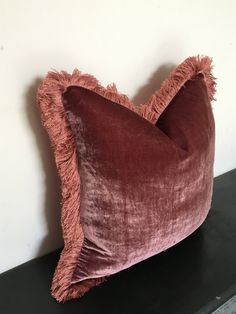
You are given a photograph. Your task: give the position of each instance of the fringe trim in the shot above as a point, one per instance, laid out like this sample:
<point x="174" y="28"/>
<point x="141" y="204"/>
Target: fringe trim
<point x="186" y="71"/>
<point x="54" y="120"/>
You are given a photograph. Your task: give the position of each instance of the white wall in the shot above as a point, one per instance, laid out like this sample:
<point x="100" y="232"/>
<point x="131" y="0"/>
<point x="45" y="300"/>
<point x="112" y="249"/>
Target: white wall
<point x="134" y="43"/>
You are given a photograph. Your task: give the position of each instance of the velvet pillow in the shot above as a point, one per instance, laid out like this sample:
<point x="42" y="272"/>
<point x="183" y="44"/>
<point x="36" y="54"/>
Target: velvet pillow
<point x="135" y="180"/>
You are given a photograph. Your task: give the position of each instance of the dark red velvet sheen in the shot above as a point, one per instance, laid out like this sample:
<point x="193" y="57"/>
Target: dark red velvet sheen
<point x="144" y="187"/>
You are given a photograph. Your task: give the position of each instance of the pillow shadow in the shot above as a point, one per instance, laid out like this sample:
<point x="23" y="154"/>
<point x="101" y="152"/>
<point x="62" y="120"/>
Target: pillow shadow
<point x="153" y="84"/>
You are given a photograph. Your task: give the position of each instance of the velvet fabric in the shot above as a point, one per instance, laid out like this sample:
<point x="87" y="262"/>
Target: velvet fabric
<point x="144" y="187"/>
<point x="138" y="180"/>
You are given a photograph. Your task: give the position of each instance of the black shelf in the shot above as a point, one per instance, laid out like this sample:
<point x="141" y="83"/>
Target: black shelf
<point x="195" y="276"/>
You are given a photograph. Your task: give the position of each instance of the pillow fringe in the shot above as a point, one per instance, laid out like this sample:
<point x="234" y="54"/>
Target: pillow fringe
<point x="187" y="70"/>
<point x="54" y="120"/>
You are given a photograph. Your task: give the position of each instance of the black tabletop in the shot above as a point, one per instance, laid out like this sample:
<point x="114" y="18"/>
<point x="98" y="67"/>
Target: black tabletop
<point x="196" y="275"/>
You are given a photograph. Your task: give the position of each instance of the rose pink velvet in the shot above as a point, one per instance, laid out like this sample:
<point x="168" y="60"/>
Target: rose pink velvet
<point x="135" y="180"/>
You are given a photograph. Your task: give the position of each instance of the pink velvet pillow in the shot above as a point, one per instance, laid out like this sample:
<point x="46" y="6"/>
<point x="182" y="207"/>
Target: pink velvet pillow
<point x="135" y="180"/>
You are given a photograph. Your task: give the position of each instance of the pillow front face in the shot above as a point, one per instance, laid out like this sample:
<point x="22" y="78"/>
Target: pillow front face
<point x="135" y="180"/>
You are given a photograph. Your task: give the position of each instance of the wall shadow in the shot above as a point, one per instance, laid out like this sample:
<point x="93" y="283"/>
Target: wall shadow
<point x="153" y="84"/>
<point x="52" y="198"/>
